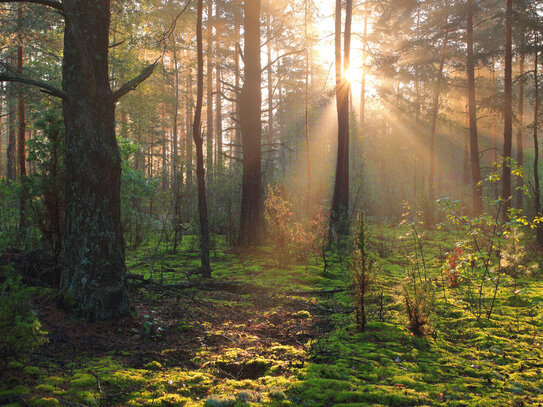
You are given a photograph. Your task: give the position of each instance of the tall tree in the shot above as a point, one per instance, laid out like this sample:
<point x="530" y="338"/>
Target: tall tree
<point x="198" y="142"/>
<point x="537" y="188"/>
<point x="251" y="129"/>
<point x="520" y="131"/>
<point x="93" y="270"/>
<point x="472" y="107"/>
<point x="340" y="201"/>
<point x="508" y="106"/>
<point x="209" y="90"/>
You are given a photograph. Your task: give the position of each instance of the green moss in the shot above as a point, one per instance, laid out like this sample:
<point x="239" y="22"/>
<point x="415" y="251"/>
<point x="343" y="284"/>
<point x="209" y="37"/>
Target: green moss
<point x="220" y="401"/>
<point x="154" y="365"/>
<point x="44" y="402"/>
<point x="83" y="381"/>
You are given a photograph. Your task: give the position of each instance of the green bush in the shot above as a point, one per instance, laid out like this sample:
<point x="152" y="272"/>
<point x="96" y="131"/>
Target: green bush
<point x="20" y="330"/>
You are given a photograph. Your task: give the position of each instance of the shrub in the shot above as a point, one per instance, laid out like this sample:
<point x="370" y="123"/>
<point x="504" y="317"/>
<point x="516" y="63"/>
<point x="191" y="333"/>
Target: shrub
<point x="20" y="330"/>
<point x="291" y="238"/>
<point x="419" y="301"/>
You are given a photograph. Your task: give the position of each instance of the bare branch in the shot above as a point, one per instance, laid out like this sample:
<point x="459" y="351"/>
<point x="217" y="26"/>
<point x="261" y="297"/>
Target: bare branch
<point x="57" y="5"/>
<point x="133" y="84"/>
<point x="280" y="57"/>
<point x="44" y="86"/>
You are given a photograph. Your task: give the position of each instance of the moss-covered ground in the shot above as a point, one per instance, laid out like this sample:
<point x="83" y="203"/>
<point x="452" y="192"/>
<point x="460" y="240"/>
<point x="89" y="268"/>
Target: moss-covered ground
<point x="285" y="335"/>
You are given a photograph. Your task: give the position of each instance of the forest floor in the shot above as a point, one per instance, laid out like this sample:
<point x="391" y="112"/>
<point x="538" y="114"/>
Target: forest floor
<point x="265" y="333"/>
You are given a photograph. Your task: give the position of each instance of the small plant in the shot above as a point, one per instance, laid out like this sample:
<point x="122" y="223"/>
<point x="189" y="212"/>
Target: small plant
<point x="20" y="330"/>
<point x="452" y="269"/>
<point x="363" y="270"/>
<point x="419" y="299"/>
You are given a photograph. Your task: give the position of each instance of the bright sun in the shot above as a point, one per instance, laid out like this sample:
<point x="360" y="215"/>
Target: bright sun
<point x="351" y="74"/>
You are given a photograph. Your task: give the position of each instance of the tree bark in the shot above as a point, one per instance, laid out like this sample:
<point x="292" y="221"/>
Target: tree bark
<point x="508" y="107"/>
<point x="10" y="149"/>
<point x="340" y="201"/>
<point x="473" y="138"/>
<point x="198" y="141"/>
<point x="94" y="275"/>
<point x="251" y="130"/>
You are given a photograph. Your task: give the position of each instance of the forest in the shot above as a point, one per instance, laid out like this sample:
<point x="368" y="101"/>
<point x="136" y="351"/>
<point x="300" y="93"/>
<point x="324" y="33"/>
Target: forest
<point x="229" y="203"/>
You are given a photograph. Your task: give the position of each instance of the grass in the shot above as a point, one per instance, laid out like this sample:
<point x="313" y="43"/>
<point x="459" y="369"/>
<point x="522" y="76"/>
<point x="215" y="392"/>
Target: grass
<point x="260" y="346"/>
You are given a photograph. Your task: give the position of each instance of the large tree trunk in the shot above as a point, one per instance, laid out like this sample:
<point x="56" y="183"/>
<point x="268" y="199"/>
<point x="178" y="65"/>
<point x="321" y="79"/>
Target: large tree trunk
<point x="10" y="149"/>
<point x="473" y="138"/>
<point x="93" y="277"/>
<point x="508" y="108"/>
<point x="340" y="201"/>
<point x="306" y="112"/>
<point x="198" y="141"/>
<point x="251" y="131"/>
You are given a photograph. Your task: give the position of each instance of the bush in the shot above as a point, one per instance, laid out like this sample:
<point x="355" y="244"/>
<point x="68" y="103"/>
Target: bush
<point x="20" y="330"/>
<point x="419" y="299"/>
<point x="291" y="238"/>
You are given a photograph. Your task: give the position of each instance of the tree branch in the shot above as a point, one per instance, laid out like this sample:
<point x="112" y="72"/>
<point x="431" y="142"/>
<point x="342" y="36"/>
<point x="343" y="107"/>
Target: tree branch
<point x="57" y="5"/>
<point x="133" y="84"/>
<point x="44" y="86"/>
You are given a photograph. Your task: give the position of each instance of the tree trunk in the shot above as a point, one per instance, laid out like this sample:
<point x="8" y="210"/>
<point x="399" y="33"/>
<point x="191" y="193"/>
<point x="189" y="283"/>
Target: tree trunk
<point x="94" y="275"/>
<point x="209" y="90"/>
<point x="218" y="112"/>
<point x="537" y="189"/>
<point x="508" y="108"/>
<point x="520" y="132"/>
<point x="269" y="139"/>
<point x="306" y="113"/>
<point x="251" y="130"/>
<point x="189" y="125"/>
<point x="21" y="142"/>
<point x="362" y="119"/>
<point x="10" y="149"/>
<point x="340" y="201"/>
<point x="473" y="138"/>
<point x="198" y="141"/>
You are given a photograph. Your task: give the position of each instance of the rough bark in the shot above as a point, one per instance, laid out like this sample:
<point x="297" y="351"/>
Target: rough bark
<point x="93" y="278"/>
<point x="472" y="107"/>
<point x="251" y="131"/>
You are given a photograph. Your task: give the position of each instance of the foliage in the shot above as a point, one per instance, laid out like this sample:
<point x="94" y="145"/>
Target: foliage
<point x="19" y="328"/>
<point x="291" y="238"/>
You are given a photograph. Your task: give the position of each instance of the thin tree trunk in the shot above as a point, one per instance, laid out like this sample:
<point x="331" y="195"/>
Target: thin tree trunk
<point x="10" y="150"/>
<point x="218" y="112"/>
<point x="188" y="126"/>
<point x="269" y="140"/>
<point x="198" y="141"/>
<point x="251" y="130"/>
<point x="474" y="143"/>
<point x="508" y="112"/>
<point x="520" y="132"/>
<point x="237" y="73"/>
<point x="362" y="119"/>
<point x="306" y="116"/>
<point x="21" y="144"/>
<point x="209" y="90"/>
<point x="537" y="190"/>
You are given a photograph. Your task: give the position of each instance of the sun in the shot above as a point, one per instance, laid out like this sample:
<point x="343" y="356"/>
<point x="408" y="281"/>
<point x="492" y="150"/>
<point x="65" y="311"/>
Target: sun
<point x="351" y="74"/>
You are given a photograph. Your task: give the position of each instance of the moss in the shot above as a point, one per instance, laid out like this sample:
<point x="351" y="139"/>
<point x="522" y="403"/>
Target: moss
<point x="33" y="371"/>
<point x="220" y="401"/>
<point x="83" y="381"/>
<point x="44" y="402"/>
<point x="154" y="365"/>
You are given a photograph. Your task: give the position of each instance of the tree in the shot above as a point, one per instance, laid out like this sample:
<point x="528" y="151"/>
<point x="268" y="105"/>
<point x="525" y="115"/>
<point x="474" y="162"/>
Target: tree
<point x="251" y="129"/>
<point x="340" y="201"/>
<point x="93" y="270"/>
<point x="198" y="141"/>
<point x="472" y="112"/>
<point x="508" y="107"/>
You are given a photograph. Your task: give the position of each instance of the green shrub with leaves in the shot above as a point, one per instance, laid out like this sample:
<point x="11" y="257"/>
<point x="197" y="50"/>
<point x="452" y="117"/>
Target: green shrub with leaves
<point x="20" y="330"/>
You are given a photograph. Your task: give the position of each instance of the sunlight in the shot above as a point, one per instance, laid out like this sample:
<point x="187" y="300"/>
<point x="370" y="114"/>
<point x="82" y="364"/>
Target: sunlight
<point x="352" y="74"/>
